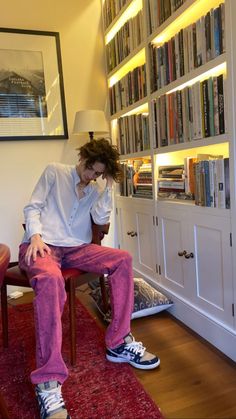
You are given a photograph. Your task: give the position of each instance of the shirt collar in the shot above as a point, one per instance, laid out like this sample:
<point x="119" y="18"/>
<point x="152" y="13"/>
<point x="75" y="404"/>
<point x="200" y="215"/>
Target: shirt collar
<point x="77" y="180"/>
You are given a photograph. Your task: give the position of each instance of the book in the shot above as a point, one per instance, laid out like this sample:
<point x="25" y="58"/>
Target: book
<point x="227" y="182"/>
<point x="220" y="87"/>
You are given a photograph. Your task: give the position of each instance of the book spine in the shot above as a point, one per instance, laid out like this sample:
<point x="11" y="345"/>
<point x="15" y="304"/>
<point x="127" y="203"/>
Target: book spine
<point x="227" y="183"/>
<point x="220" y="86"/>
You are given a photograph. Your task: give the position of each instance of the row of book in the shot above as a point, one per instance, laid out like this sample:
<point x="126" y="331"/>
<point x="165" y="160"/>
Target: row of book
<point x="209" y="181"/>
<point x="133" y="134"/>
<point x="157" y="11"/>
<point x="137" y="179"/>
<point x="190" y="48"/>
<point x="125" y="41"/>
<point x="203" y="178"/>
<point x="131" y="88"/>
<point x="195" y="112"/>
<point x="111" y="8"/>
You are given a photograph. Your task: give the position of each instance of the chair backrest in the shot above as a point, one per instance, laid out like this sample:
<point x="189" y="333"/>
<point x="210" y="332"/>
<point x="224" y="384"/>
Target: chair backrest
<point x="4" y="260"/>
<point x="98" y="232"/>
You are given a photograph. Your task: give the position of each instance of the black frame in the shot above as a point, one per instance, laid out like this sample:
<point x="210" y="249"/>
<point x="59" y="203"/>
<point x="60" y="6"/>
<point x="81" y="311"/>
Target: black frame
<point x="55" y="126"/>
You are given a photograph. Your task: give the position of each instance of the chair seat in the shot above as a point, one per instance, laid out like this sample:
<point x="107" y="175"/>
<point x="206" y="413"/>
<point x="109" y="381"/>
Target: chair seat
<point x="16" y="274"/>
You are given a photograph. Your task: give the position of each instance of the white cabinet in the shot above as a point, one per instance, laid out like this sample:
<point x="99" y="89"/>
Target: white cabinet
<point x="136" y="232"/>
<point x="196" y="260"/>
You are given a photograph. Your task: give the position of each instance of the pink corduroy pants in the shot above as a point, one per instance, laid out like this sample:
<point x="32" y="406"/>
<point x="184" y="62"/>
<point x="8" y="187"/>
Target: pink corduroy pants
<point x="50" y="296"/>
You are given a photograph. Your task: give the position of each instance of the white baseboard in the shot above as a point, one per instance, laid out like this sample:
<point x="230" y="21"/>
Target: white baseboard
<point x="219" y="336"/>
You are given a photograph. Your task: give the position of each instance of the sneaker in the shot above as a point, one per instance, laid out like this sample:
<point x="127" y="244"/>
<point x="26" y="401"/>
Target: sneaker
<point x="50" y="401"/>
<point x="134" y="353"/>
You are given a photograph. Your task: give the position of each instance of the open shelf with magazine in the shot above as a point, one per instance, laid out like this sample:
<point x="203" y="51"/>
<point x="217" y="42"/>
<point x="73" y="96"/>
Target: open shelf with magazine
<point x="170" y="92"/>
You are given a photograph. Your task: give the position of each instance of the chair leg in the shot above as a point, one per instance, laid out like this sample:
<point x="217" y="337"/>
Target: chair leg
<point x="4" y="309"/>
<point x="104" y="294"/>
<point x="72" y="318"/>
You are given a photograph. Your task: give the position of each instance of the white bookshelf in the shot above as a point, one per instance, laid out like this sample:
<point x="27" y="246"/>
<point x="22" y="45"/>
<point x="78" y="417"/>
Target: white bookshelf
<point x="201" y="286"/>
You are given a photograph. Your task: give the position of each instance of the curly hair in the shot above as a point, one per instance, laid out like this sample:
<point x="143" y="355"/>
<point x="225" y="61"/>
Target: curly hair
<point x="102" y="151"/>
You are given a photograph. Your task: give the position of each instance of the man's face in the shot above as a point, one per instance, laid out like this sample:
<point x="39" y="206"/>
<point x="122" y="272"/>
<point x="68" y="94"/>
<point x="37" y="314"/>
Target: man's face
<point x="90" y="172"/>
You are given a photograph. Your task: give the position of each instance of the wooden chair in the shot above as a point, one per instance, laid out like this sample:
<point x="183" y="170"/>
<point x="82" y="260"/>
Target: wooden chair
<point x="4" y="261"/>
<point x="73" y="279"/>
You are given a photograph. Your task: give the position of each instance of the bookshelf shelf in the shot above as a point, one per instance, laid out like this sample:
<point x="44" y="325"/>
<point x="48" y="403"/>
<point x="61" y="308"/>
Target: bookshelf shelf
<point x="202" y="142"/>
<point x="193" y="110"/>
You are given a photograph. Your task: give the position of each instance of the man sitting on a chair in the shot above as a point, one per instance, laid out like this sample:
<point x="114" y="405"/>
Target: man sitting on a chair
<point x="58" y="234"/>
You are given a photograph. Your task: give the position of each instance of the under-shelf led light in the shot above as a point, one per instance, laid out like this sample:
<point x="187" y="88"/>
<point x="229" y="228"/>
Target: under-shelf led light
<point x="219" y="69"/>
<point x="189" y="16"/>
<point x="130" y="12"/>
<point x="177" y="157"/>
<point x="136" y="61"/>
<point x="143" y="109"/>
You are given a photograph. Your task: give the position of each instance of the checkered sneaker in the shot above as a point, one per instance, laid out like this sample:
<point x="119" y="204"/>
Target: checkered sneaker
<point x="50" y="400"/>
<point x="134" y="353"/>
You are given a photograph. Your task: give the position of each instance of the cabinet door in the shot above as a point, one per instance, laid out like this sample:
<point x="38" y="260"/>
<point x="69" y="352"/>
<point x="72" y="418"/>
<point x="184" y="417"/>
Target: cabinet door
<point x="127" y="230"/>
<point x="213" y="291"/>
<point x="136" y="233"/>
<point x="145" y="237"/>
<point x="173" y="243"/>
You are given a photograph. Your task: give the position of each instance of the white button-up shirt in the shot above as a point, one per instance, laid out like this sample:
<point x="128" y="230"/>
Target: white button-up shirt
<point x="56" y="212"/>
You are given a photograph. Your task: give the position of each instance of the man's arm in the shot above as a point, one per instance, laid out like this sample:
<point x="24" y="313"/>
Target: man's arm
<point x="102" y="208"/>
<point x="32" y="213"/>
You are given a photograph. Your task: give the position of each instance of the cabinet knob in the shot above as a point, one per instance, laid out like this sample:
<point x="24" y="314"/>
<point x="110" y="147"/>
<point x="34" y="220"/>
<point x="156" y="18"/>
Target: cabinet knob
<point x="183" y="253"/>
<point x="131" y="233"/>
<point x="189" y="255"/>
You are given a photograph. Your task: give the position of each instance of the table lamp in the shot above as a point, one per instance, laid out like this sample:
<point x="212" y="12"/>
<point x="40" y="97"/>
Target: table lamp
<point x="91" y="121"/>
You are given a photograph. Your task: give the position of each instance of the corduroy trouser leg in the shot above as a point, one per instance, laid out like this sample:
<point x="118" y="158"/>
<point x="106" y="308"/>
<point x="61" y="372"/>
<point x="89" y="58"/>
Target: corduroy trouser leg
<point x="50" y="296"/>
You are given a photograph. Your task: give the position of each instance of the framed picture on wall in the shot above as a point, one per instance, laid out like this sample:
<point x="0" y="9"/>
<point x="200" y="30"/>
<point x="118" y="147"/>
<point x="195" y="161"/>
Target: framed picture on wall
<point x="32" y="99"/>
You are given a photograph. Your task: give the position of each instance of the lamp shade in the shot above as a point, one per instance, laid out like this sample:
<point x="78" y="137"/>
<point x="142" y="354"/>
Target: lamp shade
<point x="90" y="121"/>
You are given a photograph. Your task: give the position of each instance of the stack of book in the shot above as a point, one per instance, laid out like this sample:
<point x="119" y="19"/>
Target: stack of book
<point x="133" y="134"/>
<point x="111" y="8"/>
<point x="125" y="41"/>
<point x="190" y="48"/>
<point x="142" y="181"/>
<point x="158" y="11"/>
<point x="195" y="112"/>
<point x="126" y="185"/>
<point x="171" y="181"/>
<point x="207" y="178"/>
<point x="131" y="88"/>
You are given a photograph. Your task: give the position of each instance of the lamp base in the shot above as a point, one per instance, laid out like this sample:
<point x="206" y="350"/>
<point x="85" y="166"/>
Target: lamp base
<point x="91" y="134"/>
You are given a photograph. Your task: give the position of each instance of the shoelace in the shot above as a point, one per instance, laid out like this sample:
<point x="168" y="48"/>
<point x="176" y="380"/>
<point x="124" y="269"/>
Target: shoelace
<point x="136" y="348"/>
<point x="52" y="399"/>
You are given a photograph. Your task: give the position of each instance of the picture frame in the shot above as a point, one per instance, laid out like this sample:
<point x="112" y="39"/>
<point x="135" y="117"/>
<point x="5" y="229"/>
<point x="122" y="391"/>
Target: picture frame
<point x="32" y="98"/>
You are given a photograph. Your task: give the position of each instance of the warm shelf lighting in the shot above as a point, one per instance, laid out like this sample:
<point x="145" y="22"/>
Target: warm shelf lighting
<point x="131" y="11"/>
<point x="189" y="16"/>
<point x="177" y="157"/>
<point x="143" y="109"/>
<point x="136" y="61"/>
<point x="219" y="69"/>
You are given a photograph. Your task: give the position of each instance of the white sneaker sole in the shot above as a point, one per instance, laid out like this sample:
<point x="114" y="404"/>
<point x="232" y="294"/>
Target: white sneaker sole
<point x="134" y="364"/>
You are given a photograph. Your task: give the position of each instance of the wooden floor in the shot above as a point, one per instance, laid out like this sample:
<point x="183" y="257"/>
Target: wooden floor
<point x="194" y="380"/>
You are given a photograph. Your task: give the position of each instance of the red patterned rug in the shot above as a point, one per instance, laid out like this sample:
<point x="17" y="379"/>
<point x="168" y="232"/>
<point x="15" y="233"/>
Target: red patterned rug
<point x="95" y="389"/>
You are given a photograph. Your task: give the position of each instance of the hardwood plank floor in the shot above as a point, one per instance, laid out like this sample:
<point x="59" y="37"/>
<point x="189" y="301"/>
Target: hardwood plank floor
<point x="194" y="380"/>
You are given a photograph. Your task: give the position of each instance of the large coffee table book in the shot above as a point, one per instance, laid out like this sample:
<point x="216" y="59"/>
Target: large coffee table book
<point x="171" y="72"/>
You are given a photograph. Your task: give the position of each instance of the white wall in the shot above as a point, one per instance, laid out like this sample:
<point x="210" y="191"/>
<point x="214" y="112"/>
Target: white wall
<point x="21" y="162"/>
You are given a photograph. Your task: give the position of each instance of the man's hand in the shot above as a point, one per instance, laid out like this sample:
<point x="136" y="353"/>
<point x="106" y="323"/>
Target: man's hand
<point x="109" y="180"/>
<point x="36" y="246"/>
